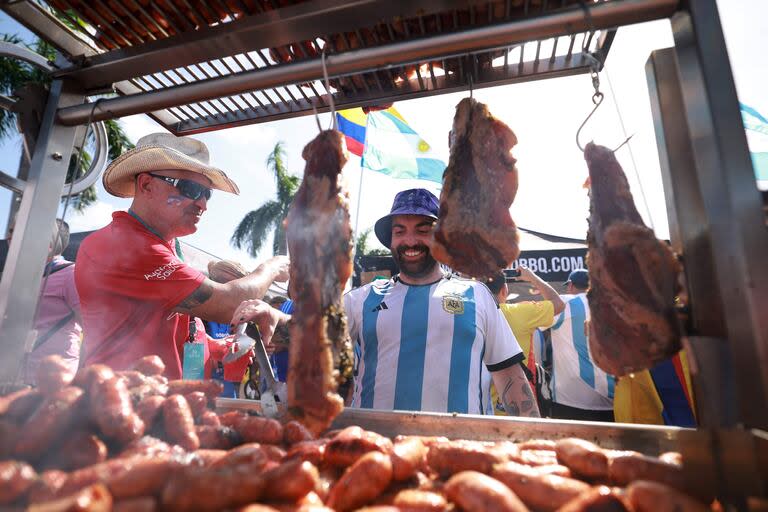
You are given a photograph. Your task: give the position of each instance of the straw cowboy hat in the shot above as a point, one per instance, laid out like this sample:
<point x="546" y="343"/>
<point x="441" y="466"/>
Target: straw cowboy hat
<point x="163" y="152"/>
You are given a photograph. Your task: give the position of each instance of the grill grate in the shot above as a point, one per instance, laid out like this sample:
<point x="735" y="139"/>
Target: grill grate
<point x="120" y="28"/>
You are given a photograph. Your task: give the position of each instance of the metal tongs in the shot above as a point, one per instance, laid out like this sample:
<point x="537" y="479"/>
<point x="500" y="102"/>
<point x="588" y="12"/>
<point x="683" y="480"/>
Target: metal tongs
<point x="252" y="340"/>
<point x="241" y="345"/>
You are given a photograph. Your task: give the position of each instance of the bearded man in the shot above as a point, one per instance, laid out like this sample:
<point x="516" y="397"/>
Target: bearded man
<point x="429" y="340"/>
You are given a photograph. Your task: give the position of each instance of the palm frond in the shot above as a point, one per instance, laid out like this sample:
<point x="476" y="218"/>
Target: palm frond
<point x="13" y="74"/>
<point x="252" y="231"/>
<point x="118" y="140"/>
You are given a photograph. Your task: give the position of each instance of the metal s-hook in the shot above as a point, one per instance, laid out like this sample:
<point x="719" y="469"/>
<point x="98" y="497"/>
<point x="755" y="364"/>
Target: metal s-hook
<point x="597" y="99"/>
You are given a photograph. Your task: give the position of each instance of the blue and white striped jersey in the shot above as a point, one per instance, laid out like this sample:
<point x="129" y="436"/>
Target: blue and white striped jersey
<point x="576" y="380"/>
<point x="428" y="347"/>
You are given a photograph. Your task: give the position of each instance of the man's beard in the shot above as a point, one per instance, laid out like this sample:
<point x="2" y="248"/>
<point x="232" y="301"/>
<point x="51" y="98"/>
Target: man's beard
<point x="414" y="269"/>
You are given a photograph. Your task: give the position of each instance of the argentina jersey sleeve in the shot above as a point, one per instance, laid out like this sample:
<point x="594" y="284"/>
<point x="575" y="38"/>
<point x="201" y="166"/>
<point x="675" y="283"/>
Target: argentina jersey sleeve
<point x="501" y="348"/>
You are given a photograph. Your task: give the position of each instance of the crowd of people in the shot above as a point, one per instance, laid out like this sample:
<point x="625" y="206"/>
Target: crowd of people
<point x="425" y="339"/>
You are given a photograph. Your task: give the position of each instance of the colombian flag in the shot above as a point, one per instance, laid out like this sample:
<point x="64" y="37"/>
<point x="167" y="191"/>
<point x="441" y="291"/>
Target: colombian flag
<point x="352" y="124"/>
<point x="661" y="396"/>
<point x="388" y="144"/>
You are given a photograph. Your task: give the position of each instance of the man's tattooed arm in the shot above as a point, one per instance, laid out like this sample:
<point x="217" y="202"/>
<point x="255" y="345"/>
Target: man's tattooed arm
<point x="516" y="394"/>
<point x="195" y="299"/>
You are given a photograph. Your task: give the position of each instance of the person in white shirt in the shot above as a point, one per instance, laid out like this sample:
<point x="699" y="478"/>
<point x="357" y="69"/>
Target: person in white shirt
<point x="580" y="390"/>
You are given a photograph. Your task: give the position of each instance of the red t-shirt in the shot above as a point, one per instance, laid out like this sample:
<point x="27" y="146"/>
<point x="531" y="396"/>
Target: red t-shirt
<point x="129" y="280"/>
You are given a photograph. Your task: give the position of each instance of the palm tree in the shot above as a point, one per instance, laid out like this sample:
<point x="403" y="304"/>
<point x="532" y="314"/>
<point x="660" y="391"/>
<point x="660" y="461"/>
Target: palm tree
<point x="252" y="231"/>
<point x="15" y="74"/>
<point x="361" y="245"/>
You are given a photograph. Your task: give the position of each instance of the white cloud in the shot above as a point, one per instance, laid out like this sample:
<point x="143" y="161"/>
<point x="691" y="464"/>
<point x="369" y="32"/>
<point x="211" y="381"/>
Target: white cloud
<point x="94" y="217"/>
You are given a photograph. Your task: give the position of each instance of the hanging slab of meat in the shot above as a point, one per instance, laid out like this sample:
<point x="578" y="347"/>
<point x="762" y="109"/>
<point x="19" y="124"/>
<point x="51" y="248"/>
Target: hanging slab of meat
<point x="320" y="243"/>
<point x="633" y="276"/>
<point x="475" y="233"/>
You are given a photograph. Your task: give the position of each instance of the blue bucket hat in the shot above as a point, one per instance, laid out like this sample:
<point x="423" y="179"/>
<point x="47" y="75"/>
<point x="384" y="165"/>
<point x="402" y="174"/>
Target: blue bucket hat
<point x="579" y="278"/>
<point x="416" y="201"/>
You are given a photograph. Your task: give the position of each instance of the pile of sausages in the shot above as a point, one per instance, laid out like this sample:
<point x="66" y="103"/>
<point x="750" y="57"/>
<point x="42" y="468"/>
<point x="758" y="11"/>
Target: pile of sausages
<point x="133" y="441"/>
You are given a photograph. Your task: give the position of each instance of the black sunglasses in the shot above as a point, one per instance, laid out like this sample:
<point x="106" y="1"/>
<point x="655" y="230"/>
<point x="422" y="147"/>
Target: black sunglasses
<point x="188" y="188"/>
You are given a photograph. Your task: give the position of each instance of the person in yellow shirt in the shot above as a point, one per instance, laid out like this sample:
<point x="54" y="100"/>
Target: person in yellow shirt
<point x="525" y="317"/>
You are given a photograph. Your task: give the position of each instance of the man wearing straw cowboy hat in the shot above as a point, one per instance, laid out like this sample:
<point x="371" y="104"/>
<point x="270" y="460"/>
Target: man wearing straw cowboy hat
<point x="137" y="295"/>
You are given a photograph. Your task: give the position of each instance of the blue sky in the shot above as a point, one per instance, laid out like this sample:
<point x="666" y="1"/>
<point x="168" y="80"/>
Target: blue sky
<point x="545" y="116"/>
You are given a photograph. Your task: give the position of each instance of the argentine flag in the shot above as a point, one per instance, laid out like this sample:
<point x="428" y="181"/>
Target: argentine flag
<point x="756" y="127"/>
<point x="387" y="144"/>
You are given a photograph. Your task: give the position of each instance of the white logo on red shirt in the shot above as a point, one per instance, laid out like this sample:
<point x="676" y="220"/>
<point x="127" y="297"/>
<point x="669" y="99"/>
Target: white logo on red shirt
<point x="164" y="272"/>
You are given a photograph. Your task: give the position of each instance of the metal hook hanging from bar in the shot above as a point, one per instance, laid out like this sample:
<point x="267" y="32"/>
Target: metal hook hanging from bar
<point x="597" y="99"/>
<point x="471" y="85"/>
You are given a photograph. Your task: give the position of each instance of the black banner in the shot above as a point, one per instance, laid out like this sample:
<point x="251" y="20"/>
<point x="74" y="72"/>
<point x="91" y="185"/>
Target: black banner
<point x="552" y="265"/>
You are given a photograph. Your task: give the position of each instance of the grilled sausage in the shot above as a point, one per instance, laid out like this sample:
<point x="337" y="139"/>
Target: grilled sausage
<point x="630" y="466"/>
<point x="16" y="478"/>
<point x="178" y="423"/>
<point x="312" y="451"/>
<point x="291" y="481"/>
<point x="453" y="457"/>
<point x="294" y="432"/>
<point x="217" y="438"/>
<point x="597" y="499"/>
<point x="582" y="457"/>
<point x="19" y="406"/>
<point x="9" y="432"/>
<point x="53" y="374"/>
<point x="645" y="496"/>
<point x="352" y="443"/>
<point x="408" y="456"/>
<point x="148" y="409"/>
<point x="145" y="477"/>
<point x="82" y="478"/>
<point x="145" y="504"/>
<point x="148" y="446"/>
<point x="204" y="489"/>
<point x="209" y="418"/>
<point x="198" y="402"/>
<point x="254" y="429"/>
<point x="80" y="450"/>
<point x="210" y="457"/>
<point x="476" y="492"/>
<point x="95" y="373"/>
<point x="540" y="492"/>
<point x="133" y="378"/>
<point x="537" y="457"/>
<point x="537" y="444"/>
<point x="95" y="498"/>
<point x="47" y="486"/>
<point x="361" y="483"/>
<point x="251" y="454"/>
<point x="211" y="388"/>
<point x="415" y="500"/>
<point x="54" y="416"/>
<point x="112" y="410"/>
<point x="552" y="469"/>
<point x="150" y="365"/>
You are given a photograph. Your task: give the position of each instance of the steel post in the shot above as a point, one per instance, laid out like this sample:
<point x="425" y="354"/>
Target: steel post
<point x="23" y="272"/>
<point x="731" y="204"/>
<point x="715" y="398"/>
